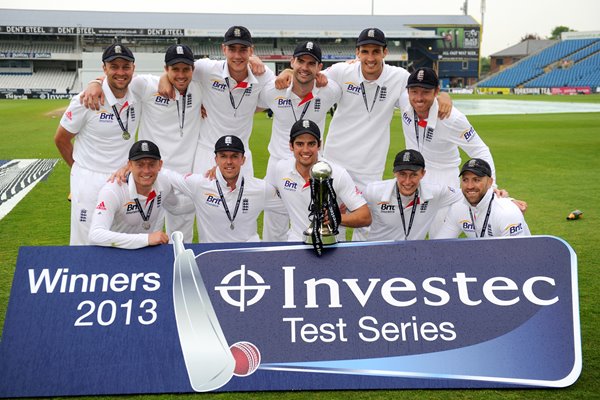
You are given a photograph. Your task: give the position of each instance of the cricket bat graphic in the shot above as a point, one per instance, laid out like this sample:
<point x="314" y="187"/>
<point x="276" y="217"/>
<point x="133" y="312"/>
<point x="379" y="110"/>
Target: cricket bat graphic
<point x="208" y="360"/>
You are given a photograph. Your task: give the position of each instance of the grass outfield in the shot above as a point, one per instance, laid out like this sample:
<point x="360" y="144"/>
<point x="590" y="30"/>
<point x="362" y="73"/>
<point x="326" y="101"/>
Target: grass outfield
<point x="550" y="160"/>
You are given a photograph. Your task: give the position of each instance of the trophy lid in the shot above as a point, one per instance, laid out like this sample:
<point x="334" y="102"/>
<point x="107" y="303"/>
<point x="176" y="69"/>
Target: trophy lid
<point x="321" y="170"/>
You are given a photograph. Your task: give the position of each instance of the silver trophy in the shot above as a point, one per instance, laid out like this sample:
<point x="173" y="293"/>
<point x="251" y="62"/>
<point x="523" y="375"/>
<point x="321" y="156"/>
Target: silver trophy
<point x="321" y="197"/>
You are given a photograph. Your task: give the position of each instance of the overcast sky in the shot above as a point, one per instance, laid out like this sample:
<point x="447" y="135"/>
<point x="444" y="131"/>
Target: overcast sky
<point x="505" y="21"/>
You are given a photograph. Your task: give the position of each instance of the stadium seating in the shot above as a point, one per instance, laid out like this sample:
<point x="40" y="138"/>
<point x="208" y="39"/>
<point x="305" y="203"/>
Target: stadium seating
<point x="533" y="71"/>
<point x="45" y="79"/>
<point x="37" y="47"/>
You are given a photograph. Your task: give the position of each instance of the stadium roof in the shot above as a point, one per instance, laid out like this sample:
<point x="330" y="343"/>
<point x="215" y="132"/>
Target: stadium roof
<point x="215" y="25"/>
<point x="524" y="48"/>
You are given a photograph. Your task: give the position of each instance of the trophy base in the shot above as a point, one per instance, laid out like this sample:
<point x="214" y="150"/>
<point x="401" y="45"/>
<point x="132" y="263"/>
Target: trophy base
<point x="327" y="237"/>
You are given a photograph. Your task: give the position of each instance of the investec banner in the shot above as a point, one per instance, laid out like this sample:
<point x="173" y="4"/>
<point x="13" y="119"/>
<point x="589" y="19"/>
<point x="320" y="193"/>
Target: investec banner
<point x="422" y="314"/>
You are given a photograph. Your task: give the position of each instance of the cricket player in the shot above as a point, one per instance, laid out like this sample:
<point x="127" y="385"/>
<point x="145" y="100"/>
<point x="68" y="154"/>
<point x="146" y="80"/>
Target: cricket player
<point x="230" y="96"/>
<point x="481" y="213"/>
<point x="292" y="176"/>
<point x="131" y="216"/>
<point x="101" y="138"/>
<point x="301" y="100"/>
<point x="227" y="207"/>
<point x="404" y="207"/>
<point x="371" y="91"/>
<point x="436" y="139"/>
<point x="173" y="124"/>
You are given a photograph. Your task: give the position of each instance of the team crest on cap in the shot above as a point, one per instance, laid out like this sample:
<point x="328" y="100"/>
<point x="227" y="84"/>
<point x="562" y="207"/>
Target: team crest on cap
<point x="228" y="140"/>
<point x="306" y="124"/>
<point x="145" y="147"/>
<point x="179" y="50"/>
<point x="371" y="33"/>
<point x="237" y="32"/>
<point x="118" y="49"/>
<point x="472" y="163"/>
<point x="309" y="46"/>
<point x="406" y="157"/>
<point x="420" y="75"/>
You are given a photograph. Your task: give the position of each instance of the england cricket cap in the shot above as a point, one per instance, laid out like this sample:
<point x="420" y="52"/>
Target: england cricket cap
<point x="144" y="149"/>
<point x="229" y="143"/>
<point x="477" y="166"/>
<point x="308" y="48"/>
<point x="115" y="51"/>
<point x="423" y="77"/>
<point x="238" y="35"/>
<point x="409" y="159"/>
<point x="305" y="126"/>
<point x="371" y="36"/>
<point x="179" y="53"/>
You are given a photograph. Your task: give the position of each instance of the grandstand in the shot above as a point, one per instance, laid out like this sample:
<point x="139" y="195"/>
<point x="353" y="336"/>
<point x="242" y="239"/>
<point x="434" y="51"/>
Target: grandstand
<point x="46" y="49"/>
<point x="568" y="63"/>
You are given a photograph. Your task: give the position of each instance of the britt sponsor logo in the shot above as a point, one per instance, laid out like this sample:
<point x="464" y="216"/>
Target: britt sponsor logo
<point x="282" y="102"/>
<point x="352" y="88"/>
<point x="218" y="86"/>
<point x="161" y="101"/>
<point x="105" y="116"/>
<point x="469" y="134"/>
<point x="515" y="229"/>
<point x="290" y="185"/>
<point x="467" y="225"/>
<point x="131" y="208"/>
<point x="386" y="207"/>
<point x="212" y="199"/>
<point x="406" y="119"/>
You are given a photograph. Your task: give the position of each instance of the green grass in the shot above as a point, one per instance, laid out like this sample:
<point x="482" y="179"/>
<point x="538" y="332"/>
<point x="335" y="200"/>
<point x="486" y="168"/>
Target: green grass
<point x="550" y="160"/>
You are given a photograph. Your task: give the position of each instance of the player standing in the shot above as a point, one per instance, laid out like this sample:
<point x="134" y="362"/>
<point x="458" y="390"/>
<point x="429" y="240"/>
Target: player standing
<point x="301" y="100"/>
<point x="102" y="138"/>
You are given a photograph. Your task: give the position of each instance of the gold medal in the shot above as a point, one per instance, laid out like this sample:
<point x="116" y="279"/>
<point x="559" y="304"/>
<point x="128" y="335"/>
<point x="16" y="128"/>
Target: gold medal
<point x="126" y="135"/>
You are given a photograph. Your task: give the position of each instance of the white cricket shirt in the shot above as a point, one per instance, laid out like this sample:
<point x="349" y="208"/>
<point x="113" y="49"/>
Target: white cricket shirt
<point x="99" y="144"/>
<point x="359" y="134"/>
<point x="230" y="105"/>
<point x="173" y="125"/>
<point x="387" y="223"/>
<point x="295" y="194"/>
<point x="440" y="140"/>
<point x="214" y="225"/>
<point x="505" y="219"/>
<point x="117" y="221"/>
<point x="288" y="108"/>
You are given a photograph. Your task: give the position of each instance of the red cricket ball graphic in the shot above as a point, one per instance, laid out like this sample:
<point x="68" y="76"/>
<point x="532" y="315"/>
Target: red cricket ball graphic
<point x="247" y="358"/>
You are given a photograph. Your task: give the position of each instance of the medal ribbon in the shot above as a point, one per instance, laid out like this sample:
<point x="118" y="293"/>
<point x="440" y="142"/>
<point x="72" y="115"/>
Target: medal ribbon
<point x="420" y="123"/>
<point x="237" y="203"/>
<point x="151" y="197"/>
<point x="181" y="117"/>
<point x="485" y="221"/>
<point x="306" y="101"/>
<point x="241" y="85"/>
<point x="118" y="115"/>
<point x="412" y="213"/>
<point x="364" y="95"/>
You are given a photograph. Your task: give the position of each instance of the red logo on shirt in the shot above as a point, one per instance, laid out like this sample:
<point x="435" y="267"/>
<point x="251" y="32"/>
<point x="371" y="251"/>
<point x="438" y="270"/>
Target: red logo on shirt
<point x="101" y="206"/>
<point x="69" y="115"/>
